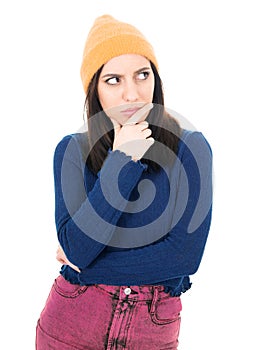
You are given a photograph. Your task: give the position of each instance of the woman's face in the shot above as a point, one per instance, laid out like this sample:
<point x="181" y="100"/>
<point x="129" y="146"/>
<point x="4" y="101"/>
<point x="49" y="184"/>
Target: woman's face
<point x="125" y="85"/>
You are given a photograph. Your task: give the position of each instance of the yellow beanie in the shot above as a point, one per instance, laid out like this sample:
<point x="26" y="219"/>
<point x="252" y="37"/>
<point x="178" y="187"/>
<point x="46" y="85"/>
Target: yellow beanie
<point x="109" y="38"/>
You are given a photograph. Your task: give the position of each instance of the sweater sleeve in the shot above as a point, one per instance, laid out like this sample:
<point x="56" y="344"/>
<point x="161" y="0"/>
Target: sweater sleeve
<point x="86" y="222"/>
<point x="181" y="251"/>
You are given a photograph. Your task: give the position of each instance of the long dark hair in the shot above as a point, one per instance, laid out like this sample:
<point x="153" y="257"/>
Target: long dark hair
<point x="165" y="129"/>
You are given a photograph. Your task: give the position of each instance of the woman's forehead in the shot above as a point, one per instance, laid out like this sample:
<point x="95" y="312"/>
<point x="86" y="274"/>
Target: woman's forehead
<point x="126" y="62"/>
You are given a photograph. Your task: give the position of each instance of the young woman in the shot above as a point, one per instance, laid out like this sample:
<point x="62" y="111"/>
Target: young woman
<point x="133" y="196"/>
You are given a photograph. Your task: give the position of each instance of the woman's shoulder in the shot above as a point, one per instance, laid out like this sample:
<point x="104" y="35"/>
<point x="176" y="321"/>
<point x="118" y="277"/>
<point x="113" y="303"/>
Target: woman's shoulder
<point x="80" y="139"/>
<point x="73" y="146"/>
<point x="194" y="141"/>
<point x="192" y="134"/>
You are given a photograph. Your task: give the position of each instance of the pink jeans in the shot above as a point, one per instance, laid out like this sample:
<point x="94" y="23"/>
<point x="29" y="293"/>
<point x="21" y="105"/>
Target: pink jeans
<point x="102" y="317"/>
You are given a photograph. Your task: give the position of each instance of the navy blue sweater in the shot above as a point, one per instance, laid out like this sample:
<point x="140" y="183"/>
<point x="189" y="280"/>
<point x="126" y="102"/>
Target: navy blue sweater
<point x="128" y="225"/>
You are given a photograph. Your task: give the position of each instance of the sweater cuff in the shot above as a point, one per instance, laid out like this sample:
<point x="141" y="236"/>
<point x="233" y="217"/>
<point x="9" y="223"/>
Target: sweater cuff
<point x="145" y="166"/>
<point x="120" y="172"/>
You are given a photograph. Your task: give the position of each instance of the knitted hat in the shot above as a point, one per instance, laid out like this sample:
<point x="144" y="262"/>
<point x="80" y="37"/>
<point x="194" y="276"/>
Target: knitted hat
<point x="109" y="38"/>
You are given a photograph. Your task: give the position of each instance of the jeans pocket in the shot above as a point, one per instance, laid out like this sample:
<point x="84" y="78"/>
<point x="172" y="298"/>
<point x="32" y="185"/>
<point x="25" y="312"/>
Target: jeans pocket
<point x="165" y="310"/>
<point x="67" y="289"/>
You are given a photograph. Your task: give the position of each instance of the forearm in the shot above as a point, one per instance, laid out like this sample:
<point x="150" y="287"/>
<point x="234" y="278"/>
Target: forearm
<point x="177" y="255"/>
<point x="86" y="222"/>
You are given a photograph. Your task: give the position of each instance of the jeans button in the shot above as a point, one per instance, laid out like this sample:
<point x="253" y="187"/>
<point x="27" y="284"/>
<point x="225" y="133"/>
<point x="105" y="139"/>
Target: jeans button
<point x="127" y="291"/>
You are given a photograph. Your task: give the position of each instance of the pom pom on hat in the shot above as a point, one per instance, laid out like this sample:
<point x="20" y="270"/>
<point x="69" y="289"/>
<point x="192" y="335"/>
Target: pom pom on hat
<point x="109" y="38"/>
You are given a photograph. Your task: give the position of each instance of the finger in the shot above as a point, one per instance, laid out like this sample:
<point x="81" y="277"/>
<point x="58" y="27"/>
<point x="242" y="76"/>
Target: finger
<point x="60" y="255"/>
<point x="61" y="258"/>
<point x="139" y="127"/>
<point x="74" y="267"/>
<point x="59" y="250"/>
<point x="143" y="125"/>
<point x="140" y="114"/>
<point x="146" y="133"/>
<point x="150" y="141"/>
<point x="62" y="261"/>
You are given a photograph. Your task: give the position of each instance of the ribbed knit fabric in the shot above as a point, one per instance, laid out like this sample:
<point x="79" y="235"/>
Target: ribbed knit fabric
<point x="152" y="231"/>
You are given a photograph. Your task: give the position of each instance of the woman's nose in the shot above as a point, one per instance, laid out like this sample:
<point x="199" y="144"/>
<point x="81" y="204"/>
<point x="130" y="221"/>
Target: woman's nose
<point x="130" y="92"/>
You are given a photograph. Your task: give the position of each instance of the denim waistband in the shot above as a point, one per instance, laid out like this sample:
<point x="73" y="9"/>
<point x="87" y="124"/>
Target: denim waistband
<point x="143" y="293"/>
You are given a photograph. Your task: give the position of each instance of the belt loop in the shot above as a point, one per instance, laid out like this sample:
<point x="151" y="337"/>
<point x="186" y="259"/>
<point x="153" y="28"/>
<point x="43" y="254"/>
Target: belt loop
<point x="155" y="297"/>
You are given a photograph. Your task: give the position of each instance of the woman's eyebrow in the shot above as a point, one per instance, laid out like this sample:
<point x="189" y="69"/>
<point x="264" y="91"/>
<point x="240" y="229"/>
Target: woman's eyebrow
<point x="142" y="69"/>
<point x="111" y="75"/>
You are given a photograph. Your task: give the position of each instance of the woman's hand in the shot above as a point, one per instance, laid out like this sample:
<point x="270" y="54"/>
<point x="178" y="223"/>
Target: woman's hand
<point x="61" y="257"/>
<point x="133" y="138"/>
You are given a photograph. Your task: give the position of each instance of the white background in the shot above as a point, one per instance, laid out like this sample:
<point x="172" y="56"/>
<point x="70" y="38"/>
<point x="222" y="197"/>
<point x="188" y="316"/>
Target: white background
<point x="218" y="61"/>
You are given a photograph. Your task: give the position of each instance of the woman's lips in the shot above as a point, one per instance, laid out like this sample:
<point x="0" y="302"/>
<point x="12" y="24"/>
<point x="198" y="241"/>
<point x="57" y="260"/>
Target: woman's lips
<point x="129" y="112"/>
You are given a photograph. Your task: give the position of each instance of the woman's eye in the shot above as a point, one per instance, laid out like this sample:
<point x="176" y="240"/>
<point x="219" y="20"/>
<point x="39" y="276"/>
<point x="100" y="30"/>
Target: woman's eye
<point x="112" y="80"/>
<point x="143" y="75"/>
